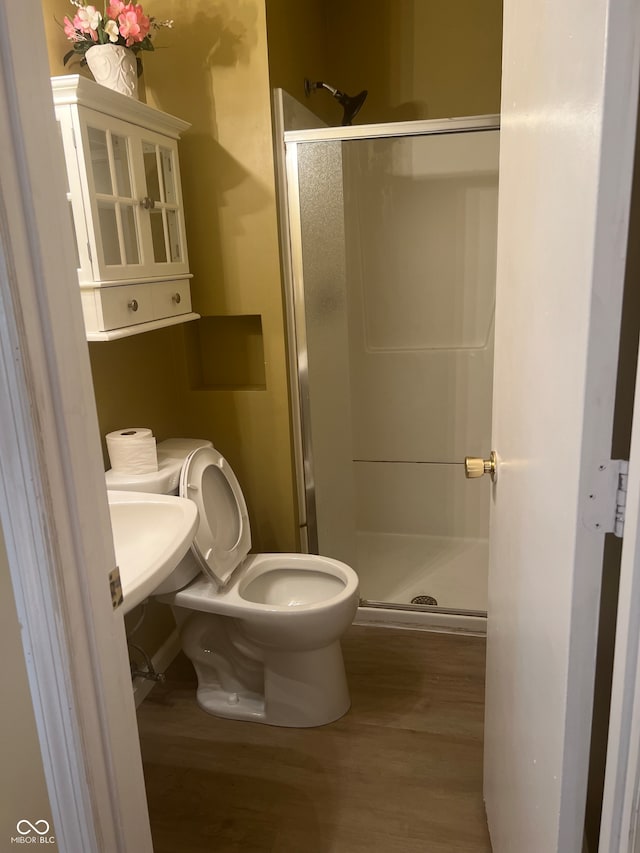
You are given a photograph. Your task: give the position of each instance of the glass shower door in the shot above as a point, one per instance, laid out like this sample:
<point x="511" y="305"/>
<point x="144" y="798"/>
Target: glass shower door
<point x="394" y="309"/>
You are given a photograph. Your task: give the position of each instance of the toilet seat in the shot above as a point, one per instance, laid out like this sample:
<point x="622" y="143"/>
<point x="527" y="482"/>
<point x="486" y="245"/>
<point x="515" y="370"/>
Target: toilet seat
<point x="223" y="537"/>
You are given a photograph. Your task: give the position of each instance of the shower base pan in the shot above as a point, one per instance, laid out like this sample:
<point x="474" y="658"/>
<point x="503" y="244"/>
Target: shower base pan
<point x="396" y="568"/>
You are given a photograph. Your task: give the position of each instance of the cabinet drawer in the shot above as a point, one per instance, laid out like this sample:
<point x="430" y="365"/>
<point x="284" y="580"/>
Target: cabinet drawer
<point x="171" y="298"/>
<point x="124" y="306"/>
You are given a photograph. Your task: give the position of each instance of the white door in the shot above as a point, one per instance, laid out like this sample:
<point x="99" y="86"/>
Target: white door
<point x="568" y="126"/>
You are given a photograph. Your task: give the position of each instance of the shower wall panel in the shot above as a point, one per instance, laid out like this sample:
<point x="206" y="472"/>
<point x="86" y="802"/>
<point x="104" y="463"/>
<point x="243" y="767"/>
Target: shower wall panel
<point x="427" y="500"/>
<point x="420" y="225"/>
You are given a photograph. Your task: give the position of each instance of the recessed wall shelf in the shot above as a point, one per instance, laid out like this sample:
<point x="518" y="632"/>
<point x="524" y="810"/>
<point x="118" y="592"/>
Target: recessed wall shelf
<point x="226" y="353"/>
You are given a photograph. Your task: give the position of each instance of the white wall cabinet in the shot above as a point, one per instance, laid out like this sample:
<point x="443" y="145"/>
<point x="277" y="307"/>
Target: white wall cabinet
<point x="125" y="200"/>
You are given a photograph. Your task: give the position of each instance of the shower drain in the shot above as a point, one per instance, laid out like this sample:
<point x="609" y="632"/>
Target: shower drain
<point x="424" y="599"/>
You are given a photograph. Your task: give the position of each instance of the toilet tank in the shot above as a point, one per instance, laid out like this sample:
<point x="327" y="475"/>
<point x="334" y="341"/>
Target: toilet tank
<point x="165" y="481"/>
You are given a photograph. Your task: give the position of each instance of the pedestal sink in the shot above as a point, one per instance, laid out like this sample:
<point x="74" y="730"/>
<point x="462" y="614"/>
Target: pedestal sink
<point x="151" y="534"/>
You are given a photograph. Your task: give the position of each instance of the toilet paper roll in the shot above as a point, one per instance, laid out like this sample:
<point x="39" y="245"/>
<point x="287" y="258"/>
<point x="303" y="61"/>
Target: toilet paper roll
<point x="132" y="451"/>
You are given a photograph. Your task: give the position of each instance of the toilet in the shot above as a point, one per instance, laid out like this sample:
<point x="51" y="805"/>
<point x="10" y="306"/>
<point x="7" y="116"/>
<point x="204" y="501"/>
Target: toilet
<point x="262" y="630"/>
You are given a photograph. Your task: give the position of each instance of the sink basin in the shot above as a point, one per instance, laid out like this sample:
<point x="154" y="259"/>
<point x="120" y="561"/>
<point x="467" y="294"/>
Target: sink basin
<point x="151" y="534"/>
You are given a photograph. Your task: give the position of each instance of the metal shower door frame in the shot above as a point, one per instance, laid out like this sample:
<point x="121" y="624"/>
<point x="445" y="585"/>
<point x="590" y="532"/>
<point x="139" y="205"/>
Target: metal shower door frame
<point x="293" y="282"/>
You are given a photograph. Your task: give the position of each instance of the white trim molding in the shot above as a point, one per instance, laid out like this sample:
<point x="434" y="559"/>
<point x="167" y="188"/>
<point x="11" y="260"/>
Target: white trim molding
<point x="621" y="799"/>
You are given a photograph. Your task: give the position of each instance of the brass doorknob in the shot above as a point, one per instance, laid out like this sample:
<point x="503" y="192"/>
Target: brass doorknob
<point x="475" y="466"/>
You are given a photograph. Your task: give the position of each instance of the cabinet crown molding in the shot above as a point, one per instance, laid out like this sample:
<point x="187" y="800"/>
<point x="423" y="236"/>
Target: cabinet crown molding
<point x="75" y="89"/>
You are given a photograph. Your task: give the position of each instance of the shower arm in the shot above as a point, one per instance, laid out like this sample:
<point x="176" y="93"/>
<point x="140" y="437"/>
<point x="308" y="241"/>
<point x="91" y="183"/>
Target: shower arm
<point x="350" y="104"/>
<point x="322" y="85"/>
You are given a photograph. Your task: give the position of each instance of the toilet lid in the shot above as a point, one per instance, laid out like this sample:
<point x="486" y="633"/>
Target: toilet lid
<point x="223" y="537"/>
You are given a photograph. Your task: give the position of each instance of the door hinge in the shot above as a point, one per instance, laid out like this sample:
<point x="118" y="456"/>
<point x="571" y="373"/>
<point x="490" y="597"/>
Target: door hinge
<point x="115" y="584"/>
<point x="621" y="498"/>
<point x="606" y="498"/>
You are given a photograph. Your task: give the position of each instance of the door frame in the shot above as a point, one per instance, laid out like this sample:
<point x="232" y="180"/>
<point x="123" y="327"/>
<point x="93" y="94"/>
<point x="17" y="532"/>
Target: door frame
<point x="53" y="503"/>
<point x="620" y="824"/>
<point x="620" y="829"/>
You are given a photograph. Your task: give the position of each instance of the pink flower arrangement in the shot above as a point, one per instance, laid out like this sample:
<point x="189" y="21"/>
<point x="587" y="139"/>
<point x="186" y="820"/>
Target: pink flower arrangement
<point x="121" y="23"/>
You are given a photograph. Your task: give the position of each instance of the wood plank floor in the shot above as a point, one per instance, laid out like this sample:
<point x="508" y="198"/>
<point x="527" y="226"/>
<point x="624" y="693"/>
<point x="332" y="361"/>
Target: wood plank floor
<point x="402" y="771"/>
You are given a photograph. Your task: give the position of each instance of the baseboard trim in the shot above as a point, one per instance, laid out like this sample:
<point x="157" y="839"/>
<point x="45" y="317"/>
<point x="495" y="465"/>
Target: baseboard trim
<point x="165" y="655"/>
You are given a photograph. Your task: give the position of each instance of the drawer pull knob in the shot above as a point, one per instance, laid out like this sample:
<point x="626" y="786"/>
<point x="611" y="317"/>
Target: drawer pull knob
<point x="176" y="298"/>
<point x="133" y="305"/>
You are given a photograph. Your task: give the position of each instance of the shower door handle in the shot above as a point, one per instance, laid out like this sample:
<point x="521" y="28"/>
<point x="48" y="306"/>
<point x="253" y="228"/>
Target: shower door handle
<point x="475" y="466"/>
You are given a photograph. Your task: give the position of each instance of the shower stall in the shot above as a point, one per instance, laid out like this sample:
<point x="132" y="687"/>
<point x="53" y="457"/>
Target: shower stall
<point x="390" y="233"/>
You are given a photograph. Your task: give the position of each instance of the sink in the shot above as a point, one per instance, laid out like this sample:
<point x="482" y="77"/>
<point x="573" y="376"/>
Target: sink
<point x="151" y="534"/>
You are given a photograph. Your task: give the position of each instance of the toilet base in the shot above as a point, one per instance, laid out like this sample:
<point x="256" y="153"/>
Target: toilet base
<point x="239" y="680"/>
<point x="301" y="690"/>
<point x="232" y="706"/>
<point x="306" y="688"/>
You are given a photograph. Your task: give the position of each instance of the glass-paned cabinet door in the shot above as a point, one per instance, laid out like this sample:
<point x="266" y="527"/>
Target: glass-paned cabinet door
<point x="130" y="189"/>
<point x="160" y="159"/>
<point x="114" y="198"/>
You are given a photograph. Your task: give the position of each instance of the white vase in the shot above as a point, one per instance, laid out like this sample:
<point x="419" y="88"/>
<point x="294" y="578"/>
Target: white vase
<point x="115" y="67"/>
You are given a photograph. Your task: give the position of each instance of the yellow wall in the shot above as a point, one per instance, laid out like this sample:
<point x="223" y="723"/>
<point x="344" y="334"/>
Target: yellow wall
<point x="23" y="791"/>
<point x="297" y="35"/>
<point x="222" y="88"/>
<point x="419" y="59"/>
<point x="212" y="71"/>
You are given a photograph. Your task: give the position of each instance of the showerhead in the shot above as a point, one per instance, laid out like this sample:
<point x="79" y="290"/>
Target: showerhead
<point x="350" y="104"/>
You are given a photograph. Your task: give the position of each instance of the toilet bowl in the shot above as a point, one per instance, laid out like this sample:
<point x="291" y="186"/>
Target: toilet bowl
<point x="262" y="630"/>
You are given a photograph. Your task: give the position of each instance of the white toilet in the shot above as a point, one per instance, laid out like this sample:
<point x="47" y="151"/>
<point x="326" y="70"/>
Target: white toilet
<point x="262" y="630"/>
